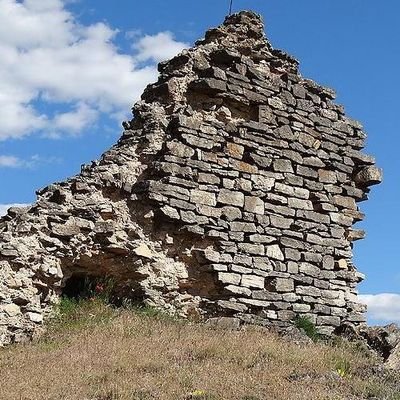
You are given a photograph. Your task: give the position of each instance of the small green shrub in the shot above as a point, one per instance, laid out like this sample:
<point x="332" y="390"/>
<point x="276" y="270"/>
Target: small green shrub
<point x="308" y="327"/>
<point x="201" y="395"/>
<point x="343" y="368"/>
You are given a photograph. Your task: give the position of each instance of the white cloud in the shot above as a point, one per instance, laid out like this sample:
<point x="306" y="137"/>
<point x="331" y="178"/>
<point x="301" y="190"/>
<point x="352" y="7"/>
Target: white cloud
<point x="74" y="121"/>
<point x="5" y="207"/>
<point x="48" y="58"/>
<point x="9" y="162"/>
<point x="158" y="47"/>
<point x="383" y="307"/>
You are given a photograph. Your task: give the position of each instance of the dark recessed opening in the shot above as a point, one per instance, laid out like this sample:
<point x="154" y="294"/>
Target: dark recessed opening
<point x="80" y="286"/>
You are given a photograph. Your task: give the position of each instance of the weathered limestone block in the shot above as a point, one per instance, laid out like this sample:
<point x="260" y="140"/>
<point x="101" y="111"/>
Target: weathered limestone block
<point x="253" y="281"/>
<point x="203" y="197"/>
<point x="282" y="166"/>
<point x="309" y="269"/>
<point x="283" y="284"/>
<point x="301" y="308"/>
<point x="254" y="205"/>
<point x="274" y="252"/>
<point x="230" y="197"/>
<point x="368" y="176"/>
<point x="328" y="320"/>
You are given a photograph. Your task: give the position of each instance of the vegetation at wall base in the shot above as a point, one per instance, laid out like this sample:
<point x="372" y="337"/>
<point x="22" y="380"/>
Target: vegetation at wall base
<point x="308" y="327"/>
<point x="95" y="351"/>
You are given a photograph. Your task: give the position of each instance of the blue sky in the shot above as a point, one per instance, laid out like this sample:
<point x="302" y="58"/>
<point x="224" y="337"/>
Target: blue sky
<point x="70" y="71"/>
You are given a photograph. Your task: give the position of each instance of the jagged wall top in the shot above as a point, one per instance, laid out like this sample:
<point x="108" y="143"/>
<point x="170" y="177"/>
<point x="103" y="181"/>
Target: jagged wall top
<point x="245" y="32"/>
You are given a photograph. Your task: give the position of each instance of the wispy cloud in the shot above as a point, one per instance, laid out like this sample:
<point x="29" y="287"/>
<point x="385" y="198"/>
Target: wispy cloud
<point x="7" y="161"/>
<point x="49" y="58"/>
<point x="382" y="307"/>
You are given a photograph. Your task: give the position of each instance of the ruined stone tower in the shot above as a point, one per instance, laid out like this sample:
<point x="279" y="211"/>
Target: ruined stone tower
<point x="232" y="192"/>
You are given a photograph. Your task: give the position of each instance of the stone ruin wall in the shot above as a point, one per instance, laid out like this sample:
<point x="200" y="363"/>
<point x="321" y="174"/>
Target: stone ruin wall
<point x="232" y="192"/>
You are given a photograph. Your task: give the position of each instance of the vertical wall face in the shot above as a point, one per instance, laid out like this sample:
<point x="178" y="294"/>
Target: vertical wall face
<point x="232" y="192"/>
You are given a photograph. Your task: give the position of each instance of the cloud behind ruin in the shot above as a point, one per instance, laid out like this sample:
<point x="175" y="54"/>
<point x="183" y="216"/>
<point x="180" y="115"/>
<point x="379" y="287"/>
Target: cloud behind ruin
<point x="74" y="72"/>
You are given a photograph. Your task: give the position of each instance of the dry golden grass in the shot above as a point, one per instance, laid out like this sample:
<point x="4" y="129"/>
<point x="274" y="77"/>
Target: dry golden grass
<point x="97" y="353"/>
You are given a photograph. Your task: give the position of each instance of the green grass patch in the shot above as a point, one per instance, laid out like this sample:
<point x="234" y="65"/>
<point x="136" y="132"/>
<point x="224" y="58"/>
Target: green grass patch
<point x="72" y="314"/>
<point x="308" y="327"/>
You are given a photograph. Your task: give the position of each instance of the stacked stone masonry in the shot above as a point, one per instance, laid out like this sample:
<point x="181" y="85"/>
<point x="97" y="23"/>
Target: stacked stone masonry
<point x="232" y="192"/>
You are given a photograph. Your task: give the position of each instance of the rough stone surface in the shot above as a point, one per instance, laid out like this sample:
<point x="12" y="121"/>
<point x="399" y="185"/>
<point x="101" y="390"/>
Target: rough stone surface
<point x="381" y="340"/>
<point x="230" y="194"/>
<point x="393" y="360"/>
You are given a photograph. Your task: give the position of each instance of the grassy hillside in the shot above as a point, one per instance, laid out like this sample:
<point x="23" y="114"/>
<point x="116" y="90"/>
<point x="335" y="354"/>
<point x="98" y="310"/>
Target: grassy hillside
<point x="95" y="352"/>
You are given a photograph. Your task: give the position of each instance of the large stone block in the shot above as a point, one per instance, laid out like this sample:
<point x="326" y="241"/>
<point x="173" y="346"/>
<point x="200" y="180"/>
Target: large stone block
<point x="243" y="227"/>
<point x="203" y="197"/>
<point x="253" y="281"/>
<point x="369" y="176"/>
<point x="229" y="278"/>
<point x="254" y="205"/>
<point x="231" y="197"/>
<point x="282" y="165"/>
<point x="283" y="284"/>
<point x="274" y="252"/>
